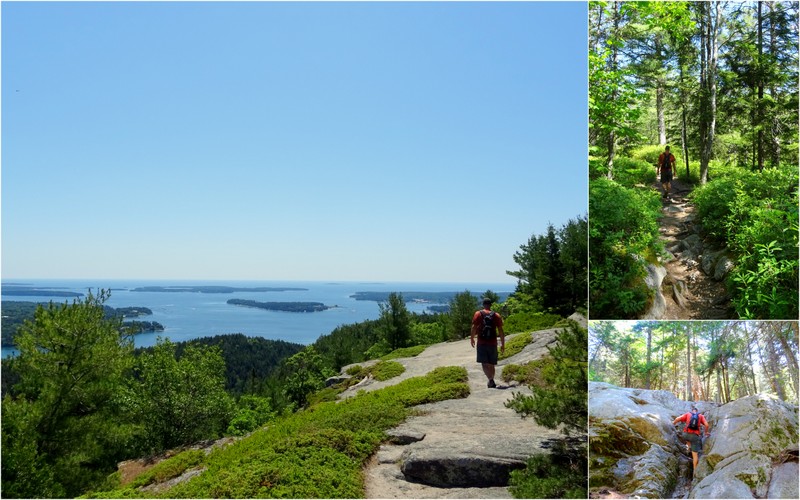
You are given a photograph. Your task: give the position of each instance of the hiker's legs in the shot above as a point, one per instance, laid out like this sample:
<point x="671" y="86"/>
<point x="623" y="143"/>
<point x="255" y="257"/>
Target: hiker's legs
<point x="488" y="370"/>
<point x="694" y="461"/>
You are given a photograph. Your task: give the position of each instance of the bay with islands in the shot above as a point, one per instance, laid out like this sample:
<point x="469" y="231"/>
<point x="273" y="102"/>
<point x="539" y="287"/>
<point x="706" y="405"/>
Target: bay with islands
<point x="294" y="311"/>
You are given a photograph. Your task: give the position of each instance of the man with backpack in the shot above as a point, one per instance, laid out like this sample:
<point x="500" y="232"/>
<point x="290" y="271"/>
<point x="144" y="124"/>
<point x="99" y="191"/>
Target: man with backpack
<point x="691" y="431"/>
<point x="486" y="324"/>
<point x="666" y="165"/>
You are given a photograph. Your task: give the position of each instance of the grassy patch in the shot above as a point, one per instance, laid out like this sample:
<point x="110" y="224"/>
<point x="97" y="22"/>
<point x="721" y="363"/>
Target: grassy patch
<point x="405" y="352"/>
<point x="316" y="453"/>
<point x="384" y="370"/>
<point x="531" y="373"/>
<point x="515" y="345"/>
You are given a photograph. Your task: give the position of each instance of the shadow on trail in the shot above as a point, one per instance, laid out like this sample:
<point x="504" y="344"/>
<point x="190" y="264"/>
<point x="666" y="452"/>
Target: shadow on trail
<point x="694" y="285"/>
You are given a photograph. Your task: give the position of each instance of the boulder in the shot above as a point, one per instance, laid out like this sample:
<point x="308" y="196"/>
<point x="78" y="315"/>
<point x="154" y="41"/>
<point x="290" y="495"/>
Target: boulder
<point x="655" y="275"/>
<point x="634" y="448"/>
<point x="748" y="436"/>
<point x="709" y="261"/>
<point x="722" y="268"/>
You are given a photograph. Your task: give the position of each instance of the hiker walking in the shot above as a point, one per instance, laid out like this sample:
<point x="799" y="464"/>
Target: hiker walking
<point x="691" y="432"/>
<point x="665" y="167"/>
<point x="486" y="324"/>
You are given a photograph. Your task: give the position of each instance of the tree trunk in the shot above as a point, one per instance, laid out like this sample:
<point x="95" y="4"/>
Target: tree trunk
<point x="612" y="67"/>
<point x="649" y="351"/>
<point x="710" y="20"/>
<point x="760" y="100"/>
<point x="688" y="362"/>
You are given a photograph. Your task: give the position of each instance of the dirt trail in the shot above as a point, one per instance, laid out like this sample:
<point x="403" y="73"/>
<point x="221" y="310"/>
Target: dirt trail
<point x="689" y="292"/>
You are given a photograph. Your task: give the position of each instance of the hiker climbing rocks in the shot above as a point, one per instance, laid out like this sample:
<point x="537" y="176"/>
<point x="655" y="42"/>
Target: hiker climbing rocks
<point x="665" y="167"/>
<point x="691" y="431"/>
<point x="486" y="324"/>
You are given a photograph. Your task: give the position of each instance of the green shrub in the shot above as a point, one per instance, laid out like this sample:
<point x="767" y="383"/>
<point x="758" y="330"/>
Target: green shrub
<point x="354" y="370"/>
<point x="532" y="373"/>
<point x="515" y="345"/>
<point x="629" y="172"/>
<point x="316" y="453"/>
<point x="529" y="321"/>
<point x="755" y="214"/>
<point x="623" y="236"/>
<point x="384" y="370"/>
<point x="405" y="352"/>
<point x="555" y="475"/>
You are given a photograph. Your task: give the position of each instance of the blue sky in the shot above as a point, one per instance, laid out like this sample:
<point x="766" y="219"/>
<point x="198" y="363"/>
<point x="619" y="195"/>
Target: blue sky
<point x="288" y="141"/>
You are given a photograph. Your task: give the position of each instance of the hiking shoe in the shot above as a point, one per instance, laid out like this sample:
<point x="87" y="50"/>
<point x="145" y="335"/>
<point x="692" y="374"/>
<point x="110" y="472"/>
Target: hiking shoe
<point x="491" y="384"/>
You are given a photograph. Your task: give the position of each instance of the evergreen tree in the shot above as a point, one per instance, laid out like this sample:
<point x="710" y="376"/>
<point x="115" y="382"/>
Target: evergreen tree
<point x="61" y="430"/>
<point x="395" y="322"/>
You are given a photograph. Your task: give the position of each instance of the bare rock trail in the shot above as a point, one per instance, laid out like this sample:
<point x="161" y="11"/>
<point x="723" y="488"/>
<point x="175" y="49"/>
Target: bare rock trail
<point x="693" y="286"/>
<point x="462" y="448"/>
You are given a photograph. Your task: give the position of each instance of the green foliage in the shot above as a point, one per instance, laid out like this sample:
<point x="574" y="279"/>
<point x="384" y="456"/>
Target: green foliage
<point x="428" y="333"/>
<point x="534" y="373"/>
<point x="179" y="400"/>
<point x="395" y="322"/>
<point x="529" y="321"/>
<point x="306" y="374"/>
<point x="316" y="453"/>
<point x="564" y="400"/>
<point x="561" y="474"/>
<point x="169" y="468"/>
<point x="515" y="345"/>
<point x="622" y="234"/>
<point x="552" y="271"/>
<point x="405" y="352"/>
<point x="252" y="413"/>
<point x="756" y="214"/>
<point x="462" y="308"/>
<point x="61" y="430"/>
<point x="384" y="370"/>
<point x="631" y="172"/>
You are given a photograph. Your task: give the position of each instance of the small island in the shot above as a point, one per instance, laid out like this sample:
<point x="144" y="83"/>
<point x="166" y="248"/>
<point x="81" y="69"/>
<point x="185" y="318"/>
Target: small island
<point x="215" y="289"/>
<point x="302" y="307"/>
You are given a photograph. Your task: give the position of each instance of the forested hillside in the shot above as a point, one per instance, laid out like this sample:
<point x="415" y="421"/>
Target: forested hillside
<point x="698" y="361"/>
<point x="718" y="82"/>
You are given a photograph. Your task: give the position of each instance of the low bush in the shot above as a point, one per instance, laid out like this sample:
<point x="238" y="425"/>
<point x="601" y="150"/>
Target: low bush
<point x="755" y="214"/>
<point x="623" y="236"/>
<point x="529" y="321"/>
<point x="405" y="352"/>
<point x="315" y="453"/>
<point x="515" y="345"/>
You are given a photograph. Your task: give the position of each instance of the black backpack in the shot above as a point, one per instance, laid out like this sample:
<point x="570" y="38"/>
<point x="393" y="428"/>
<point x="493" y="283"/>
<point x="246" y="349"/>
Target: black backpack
<point x="489" y="330"/>
<point x="666" y="163"/>
<point x="693" y="424"/>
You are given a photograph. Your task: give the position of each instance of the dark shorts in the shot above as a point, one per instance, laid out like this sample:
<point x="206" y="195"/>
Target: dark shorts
<point x="695" y="440"/>
<point x="487" y="353"/>
<point x="666" y="176"/>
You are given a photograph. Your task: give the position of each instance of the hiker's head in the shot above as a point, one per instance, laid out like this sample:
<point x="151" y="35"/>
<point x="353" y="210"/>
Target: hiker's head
<point x="487" y="303"/>
<point x="666" y="149"/>
<point x="694" y="409"/>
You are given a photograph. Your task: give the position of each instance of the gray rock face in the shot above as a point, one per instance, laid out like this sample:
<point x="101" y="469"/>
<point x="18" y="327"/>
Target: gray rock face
<point x="634" y="447"/>
<point x="655" y="275"/>
<point x="459" y="448"/>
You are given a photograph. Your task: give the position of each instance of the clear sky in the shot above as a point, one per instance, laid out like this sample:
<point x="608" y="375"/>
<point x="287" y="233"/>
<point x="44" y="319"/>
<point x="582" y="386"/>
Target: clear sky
<point x="288" y="141"/>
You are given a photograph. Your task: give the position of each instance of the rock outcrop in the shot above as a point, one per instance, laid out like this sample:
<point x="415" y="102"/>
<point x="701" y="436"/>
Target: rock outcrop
<point x="462" y="448"/>
<point x="634" y="448"/>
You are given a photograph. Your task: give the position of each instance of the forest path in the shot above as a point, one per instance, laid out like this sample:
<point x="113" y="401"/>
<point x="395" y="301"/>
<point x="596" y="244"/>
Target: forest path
<point x="688" y="291"/>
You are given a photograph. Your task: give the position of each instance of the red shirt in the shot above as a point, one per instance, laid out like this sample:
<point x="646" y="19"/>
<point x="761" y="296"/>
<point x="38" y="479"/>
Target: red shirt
<point x="701" y="420"/>
<point x="477" y="322"/>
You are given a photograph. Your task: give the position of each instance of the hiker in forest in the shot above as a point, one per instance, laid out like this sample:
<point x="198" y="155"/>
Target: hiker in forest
<point x="691" y="431"/>
<point x="665" y="167"/>
<point x="486" y="324"/>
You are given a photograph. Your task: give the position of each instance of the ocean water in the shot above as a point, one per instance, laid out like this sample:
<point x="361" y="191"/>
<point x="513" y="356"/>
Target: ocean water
<point x="189" y="315"/>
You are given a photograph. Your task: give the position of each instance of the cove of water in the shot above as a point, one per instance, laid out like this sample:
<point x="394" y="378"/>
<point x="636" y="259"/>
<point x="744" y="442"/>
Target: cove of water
<point x="189" y="315"/>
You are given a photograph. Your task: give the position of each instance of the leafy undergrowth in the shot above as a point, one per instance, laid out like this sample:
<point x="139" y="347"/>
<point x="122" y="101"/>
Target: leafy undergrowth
<point x="316" y="453"/>
<point x="405" y="352"/>
<point x="515" y="345"/>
